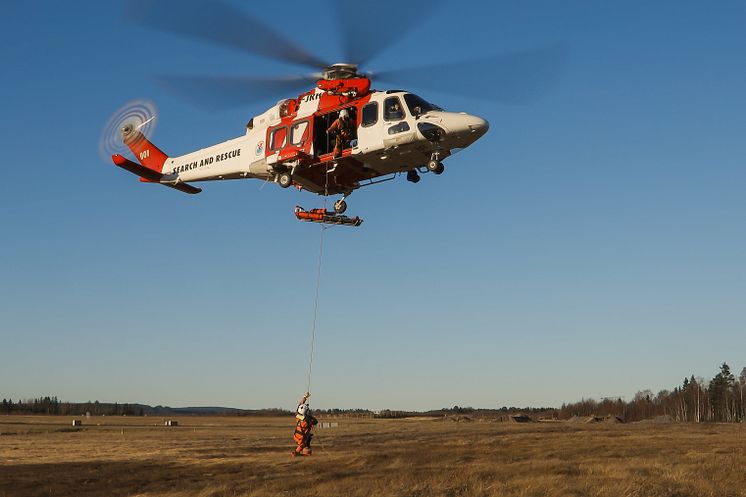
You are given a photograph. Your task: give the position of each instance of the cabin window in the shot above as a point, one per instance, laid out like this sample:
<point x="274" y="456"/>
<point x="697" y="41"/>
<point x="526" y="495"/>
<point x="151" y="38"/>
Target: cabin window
<point x="370" y="114"/>
<point x="277" y="138"/>
<point x="299" y="132"/>
<point x="392" y="109"/>
<point x="399" y="128"/>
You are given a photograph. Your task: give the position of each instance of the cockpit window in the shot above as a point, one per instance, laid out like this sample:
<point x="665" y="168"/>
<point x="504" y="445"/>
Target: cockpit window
<point x="418" y="105"/>
<point x="370" y="114"/>
<point x="392" y="110"/>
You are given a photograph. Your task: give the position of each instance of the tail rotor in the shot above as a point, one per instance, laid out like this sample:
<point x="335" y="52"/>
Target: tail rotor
<point x="134" y="116"/>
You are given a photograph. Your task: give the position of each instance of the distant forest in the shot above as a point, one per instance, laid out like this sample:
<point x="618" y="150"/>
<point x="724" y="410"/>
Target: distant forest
<point x="52" y="405"/>
<point x="720" y="399"/>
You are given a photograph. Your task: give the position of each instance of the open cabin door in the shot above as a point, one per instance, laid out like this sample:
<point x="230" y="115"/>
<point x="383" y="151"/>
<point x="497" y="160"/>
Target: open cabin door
<point x="324" y="141"/>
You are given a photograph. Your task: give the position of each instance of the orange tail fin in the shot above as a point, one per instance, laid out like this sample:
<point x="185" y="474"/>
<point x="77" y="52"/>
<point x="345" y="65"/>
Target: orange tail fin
<point x="147" y="154"/>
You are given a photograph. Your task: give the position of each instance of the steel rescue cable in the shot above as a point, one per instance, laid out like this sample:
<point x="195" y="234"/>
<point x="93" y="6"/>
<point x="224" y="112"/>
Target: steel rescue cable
<point x="315" y="306"/>
<point x="318" y="282"/>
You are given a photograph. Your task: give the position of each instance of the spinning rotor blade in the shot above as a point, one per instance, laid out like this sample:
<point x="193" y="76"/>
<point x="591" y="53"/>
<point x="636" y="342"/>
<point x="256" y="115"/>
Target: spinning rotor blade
<point x="369" y="28"/>
<point x="515" y="78"/>
<point x="220" y="23"/>
<point x="224" y="92"/>
<point x="138" y="114"/>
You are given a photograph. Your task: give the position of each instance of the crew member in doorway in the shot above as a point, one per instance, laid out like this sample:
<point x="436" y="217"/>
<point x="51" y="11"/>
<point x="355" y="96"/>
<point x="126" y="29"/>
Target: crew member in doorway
<point x="342" y="126"/>
<point x="303" y="427"/>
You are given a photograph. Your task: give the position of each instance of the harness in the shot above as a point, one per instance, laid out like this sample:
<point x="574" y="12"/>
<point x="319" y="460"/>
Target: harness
<point x="303" y="428"/>
<point x="342" y="127"/>
<point x="345" y="127"/>
<point x="300" y="429"/>
<point x="302" y="435"/>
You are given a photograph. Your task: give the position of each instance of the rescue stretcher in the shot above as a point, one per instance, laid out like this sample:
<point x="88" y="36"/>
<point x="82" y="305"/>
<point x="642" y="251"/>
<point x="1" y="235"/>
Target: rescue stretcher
<point x="326" y="217"/>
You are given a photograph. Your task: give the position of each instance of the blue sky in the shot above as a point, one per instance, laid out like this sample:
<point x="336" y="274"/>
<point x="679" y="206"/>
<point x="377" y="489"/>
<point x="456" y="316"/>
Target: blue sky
<point x="591" y="244"/>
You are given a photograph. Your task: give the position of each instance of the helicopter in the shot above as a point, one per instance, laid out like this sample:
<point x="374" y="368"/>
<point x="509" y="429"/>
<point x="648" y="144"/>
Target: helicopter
<point x="391" y="132"/>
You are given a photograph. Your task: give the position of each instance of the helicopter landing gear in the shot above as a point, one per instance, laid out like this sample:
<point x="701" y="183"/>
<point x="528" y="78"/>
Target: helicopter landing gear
<point x="340" y="206"/>
<point x="285" y="179"/>
<point x="435" y="166"/>
<point x="412" y="176"/>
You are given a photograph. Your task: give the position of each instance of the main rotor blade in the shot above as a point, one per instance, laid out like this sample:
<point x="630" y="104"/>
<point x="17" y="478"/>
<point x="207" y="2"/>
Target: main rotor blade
<point x="224" y="92"/>
<point x="515" y="78"/>
<point x="218" y="22"/>
<point x="369" y="28"/>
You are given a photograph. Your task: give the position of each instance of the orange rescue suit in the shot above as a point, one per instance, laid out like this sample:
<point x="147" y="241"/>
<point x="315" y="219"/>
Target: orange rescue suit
<point x="343" y="127"/>
<point x="303" y="435"/>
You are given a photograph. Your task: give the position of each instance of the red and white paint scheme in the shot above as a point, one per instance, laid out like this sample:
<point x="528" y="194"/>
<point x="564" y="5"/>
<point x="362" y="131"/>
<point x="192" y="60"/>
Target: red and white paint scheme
<point x="394" y="132"/>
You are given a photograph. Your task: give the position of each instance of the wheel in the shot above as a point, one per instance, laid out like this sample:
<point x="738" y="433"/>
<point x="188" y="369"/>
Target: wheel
<point x="435" y="166"/>
<point x="340" y="206"/>
<point x="285" y="180"/>
<point x="413" y="176"/>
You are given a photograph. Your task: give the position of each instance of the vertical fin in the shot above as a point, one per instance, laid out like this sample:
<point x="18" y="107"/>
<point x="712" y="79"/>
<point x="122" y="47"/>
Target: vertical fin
<point x="146" y="153"/>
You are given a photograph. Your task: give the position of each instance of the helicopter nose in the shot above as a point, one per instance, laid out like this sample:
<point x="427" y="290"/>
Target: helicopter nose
<point x="477" y="126"/>
<point x="467" y="127"/>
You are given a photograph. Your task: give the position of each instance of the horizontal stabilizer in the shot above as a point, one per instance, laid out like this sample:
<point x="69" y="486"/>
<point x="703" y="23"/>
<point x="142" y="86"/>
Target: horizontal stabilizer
<point x="151" y="176"/>
<point x="184" y="187"/>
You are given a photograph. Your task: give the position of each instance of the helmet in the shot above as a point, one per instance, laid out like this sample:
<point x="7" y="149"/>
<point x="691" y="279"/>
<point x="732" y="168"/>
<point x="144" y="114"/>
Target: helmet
<point x="344" y="114"/>
<point x="303" y="410"/>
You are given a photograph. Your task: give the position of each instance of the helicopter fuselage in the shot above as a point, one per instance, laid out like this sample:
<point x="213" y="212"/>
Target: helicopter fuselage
<point x="391" y="132"/>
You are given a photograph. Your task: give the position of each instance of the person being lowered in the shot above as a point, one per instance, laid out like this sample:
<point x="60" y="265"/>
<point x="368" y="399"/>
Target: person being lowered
<point x="303" y="427"/>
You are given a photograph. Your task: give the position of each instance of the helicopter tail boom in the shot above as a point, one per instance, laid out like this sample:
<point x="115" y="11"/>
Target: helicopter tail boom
<point x="147" y="175"/>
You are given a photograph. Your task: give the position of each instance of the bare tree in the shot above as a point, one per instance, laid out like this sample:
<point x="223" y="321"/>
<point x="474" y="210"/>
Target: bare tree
<point x="741" y="388"/>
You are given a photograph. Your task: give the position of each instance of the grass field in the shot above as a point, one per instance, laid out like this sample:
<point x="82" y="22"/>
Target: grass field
<point x="243" y="457"/>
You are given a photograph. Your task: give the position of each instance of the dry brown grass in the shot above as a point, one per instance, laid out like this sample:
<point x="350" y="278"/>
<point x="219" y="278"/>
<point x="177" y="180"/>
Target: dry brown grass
<point x="250" y="457"/>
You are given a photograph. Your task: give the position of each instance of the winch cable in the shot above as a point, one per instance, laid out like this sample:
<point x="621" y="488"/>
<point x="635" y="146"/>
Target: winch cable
<point x="315" y="305"/>
<point x="318" y="281"/>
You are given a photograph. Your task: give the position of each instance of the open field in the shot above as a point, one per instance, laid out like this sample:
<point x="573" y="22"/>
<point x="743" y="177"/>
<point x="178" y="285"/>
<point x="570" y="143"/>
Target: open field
<point x="243" y="457"/>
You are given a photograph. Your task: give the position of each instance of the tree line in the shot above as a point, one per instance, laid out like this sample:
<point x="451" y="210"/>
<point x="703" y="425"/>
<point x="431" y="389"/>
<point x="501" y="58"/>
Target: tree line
<point x="722" y="399"/>
<point x="52" y="405"/>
